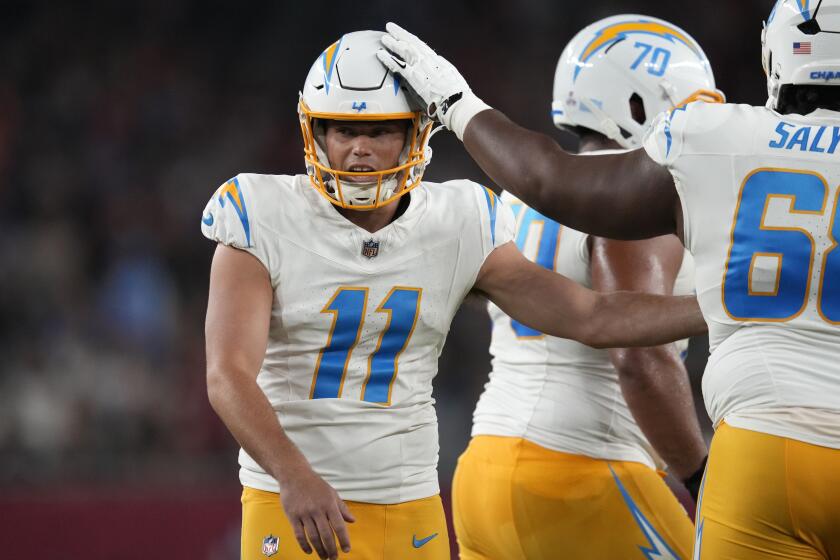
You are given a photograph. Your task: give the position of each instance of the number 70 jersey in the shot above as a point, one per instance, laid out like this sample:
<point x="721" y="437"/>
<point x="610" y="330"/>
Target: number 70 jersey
<point x="759" y="194"/>
<point x="358" y="322"/>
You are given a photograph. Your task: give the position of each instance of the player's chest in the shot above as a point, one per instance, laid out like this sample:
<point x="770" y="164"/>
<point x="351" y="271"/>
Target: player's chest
<point x="370" y="296"/>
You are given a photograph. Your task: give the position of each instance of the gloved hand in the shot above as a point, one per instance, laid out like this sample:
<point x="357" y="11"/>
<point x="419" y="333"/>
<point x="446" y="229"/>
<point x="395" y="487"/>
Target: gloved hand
<point x="444" y="92"/>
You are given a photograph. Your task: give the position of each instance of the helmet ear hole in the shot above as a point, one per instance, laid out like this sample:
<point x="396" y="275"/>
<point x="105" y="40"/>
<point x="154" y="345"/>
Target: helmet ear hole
<point x="637" y="108"/>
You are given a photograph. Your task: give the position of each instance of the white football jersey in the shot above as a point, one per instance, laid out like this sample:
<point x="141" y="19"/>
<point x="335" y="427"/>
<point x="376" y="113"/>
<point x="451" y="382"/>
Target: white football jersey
<point x="358" y="322"/>
<point x="759" y="194"/>
<point x="555" y="392"/>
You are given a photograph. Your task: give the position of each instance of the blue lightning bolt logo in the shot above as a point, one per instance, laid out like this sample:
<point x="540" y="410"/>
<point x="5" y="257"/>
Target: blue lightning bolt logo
<point x="658" y="549"/>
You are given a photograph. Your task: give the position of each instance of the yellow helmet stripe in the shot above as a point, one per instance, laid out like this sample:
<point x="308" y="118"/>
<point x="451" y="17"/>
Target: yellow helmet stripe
<point x="803" y="8"/>
<point x="329" y="56"/>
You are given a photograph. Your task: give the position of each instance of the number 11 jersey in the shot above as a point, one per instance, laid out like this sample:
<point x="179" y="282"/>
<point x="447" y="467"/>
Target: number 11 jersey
<point x="358" y="322"/>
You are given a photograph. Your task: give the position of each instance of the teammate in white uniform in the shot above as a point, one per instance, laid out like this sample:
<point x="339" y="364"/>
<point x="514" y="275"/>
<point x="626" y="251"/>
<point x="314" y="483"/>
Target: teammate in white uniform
<point x="756" y="203"/>
<point x="560" y="416"/>
<point x="331" y="295"/>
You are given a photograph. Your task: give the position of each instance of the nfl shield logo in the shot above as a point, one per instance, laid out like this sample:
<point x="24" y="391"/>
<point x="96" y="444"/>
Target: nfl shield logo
<point x="370" y="248"/>
<point x="270" y="545"/>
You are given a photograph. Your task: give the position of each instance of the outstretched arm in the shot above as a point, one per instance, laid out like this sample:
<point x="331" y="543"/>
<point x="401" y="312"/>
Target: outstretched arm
<point x="578" y="191"/>
<point x="653" y="380"/>
<point x="555" y="305"/>
<point x="622" y="196"/>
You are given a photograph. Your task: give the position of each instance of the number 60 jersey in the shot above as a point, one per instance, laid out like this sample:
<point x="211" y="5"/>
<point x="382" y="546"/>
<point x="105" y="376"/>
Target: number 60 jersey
<point x="759" y="195"/>
<point x="358" y="322"/>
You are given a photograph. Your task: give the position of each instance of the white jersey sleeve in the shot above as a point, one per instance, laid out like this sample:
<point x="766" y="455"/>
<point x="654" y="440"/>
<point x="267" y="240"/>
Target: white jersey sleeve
<point x="498" y="223"/>
<point x="682" y="133"/>
<point x="664" y="139"/>
<point x="232" y="217"/>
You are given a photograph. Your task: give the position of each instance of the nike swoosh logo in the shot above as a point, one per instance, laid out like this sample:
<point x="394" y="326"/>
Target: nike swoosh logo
<point x="421" y="542"/>
<point x="208" y="220"/>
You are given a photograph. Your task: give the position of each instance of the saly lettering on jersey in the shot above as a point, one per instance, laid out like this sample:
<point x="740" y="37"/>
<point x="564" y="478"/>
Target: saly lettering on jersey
<point x="816" y="139"/>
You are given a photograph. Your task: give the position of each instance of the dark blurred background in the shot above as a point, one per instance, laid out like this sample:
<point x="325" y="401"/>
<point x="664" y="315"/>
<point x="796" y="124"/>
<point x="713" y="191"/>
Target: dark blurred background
<point x="117" y="122"/>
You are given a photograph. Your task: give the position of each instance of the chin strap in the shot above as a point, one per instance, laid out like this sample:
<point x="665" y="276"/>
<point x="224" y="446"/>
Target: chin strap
<point x="609" y="127"/>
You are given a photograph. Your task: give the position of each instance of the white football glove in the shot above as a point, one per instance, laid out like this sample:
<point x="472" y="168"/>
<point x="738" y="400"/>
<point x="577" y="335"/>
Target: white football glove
<point x="433" y="79"/>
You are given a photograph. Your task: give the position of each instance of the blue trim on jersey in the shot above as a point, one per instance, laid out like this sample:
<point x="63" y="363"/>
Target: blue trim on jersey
<point x="669" y="140"/>
<point x="491" y="207"/>
<point x="239" y="206"/>
<point x="654" y="539"/>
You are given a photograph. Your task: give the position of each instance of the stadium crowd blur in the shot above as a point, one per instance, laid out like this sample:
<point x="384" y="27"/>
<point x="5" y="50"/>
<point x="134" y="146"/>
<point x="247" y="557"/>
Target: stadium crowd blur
<point x="118" y="121"/>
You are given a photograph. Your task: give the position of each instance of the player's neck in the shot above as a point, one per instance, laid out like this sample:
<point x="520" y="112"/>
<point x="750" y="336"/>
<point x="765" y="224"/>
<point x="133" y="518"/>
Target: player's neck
<point x="374" y="220"/>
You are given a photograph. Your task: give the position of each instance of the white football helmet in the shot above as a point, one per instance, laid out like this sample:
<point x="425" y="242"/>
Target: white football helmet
<point x="348" y="83"/>
<point x="800" y="45"/>
<point x="624" y="57"/>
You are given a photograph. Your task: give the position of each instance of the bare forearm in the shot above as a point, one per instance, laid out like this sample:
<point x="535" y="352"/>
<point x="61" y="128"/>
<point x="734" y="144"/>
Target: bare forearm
<point x="656" y="387"/>
<point x="623" y="319"/>
<point x="557" y="306"/>
<point x="577" y="191"/>
<point x="247" y="413"/>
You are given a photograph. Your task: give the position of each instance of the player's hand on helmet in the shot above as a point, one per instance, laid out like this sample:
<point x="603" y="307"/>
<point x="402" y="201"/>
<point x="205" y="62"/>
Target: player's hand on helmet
<point x="440" y="86"/>
<point x="316" y="512"/>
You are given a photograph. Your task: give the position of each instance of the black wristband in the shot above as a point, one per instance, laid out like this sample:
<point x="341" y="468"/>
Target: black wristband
<point x="692" y="483"/>
<point x="450" y="101"/>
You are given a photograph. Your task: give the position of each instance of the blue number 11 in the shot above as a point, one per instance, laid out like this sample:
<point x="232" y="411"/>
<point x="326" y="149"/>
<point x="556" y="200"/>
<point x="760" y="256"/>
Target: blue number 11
<point x="348" y="307"/>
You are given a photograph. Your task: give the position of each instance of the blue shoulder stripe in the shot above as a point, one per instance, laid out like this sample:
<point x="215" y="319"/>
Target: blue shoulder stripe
<point x="669" y="140"/>
<point x="233" y="192"/>
<point x="491" y="207"/>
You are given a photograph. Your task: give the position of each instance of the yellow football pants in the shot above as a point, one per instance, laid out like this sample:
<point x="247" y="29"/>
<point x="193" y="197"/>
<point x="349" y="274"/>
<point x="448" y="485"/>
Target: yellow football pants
<point x="514" y="500"/>
<point x="768" y="497"/>
<point x="412" y="530"/>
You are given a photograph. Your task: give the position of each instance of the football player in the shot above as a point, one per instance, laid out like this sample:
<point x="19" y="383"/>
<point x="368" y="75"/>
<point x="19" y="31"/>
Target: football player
<point x="567" y="439"/>
<point x="753" y="194"/>
<point x="331" y="294"/>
